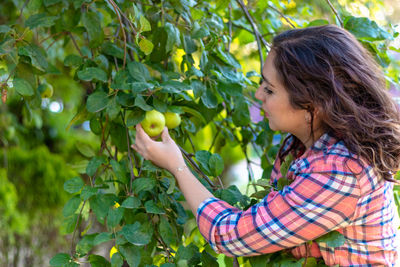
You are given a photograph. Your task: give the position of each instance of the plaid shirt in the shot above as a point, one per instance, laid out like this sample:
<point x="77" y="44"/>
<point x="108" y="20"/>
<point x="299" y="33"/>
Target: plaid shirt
<point x="329" y="191"/>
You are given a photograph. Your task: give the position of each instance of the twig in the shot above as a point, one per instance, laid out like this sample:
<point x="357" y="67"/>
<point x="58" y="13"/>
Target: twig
<point x="282" y="15"/>
<point x="129" y="153"/>
<point x="256" y="32"/>
<point x="230" y="27"/>
<point x="52" y="35"/>
<point x="22" y="9"/>
<point x="122" y="27"/>
<point x="213" y="141"/>
<point x="76" y="227"/>
<point x="334" y="11"/>
<point x="196" y="167"/>
<point x="76" y="46"/>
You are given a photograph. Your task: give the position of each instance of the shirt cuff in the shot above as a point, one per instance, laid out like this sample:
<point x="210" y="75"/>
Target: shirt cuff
<point x="209" y="214"/>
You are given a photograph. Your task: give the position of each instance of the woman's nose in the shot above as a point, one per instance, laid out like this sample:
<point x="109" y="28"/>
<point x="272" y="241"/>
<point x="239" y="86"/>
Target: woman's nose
<point x="259" y="94"/>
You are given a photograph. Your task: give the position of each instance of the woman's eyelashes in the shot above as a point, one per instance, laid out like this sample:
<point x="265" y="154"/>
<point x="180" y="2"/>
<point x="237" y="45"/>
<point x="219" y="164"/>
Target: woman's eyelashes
<point x="268" y="91"/>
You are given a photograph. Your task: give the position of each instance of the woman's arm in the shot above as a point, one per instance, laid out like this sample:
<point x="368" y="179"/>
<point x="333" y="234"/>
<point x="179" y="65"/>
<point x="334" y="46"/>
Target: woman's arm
<point x="166" y="154"/>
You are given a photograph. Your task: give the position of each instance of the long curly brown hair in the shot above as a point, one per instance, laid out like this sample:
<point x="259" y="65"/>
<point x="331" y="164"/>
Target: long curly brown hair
<point x="325" y="67"/>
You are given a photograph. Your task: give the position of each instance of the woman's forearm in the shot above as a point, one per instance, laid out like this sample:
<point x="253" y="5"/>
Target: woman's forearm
<point x="193" y="190"/>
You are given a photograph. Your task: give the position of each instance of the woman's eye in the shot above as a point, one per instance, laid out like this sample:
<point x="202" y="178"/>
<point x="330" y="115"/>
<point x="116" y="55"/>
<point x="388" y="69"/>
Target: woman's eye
<point x="268" y="90"/>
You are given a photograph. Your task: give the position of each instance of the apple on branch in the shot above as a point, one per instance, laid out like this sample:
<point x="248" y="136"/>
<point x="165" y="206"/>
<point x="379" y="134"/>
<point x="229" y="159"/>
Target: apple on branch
<point x="153" y="123"/>
<point x="172" y="120"/>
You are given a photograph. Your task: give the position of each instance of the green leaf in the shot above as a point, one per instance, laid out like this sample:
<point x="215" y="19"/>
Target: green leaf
<point x="135" y="117"/>
<point x="259" y="261"/>
<point x="172" y="185"/>
<point x="173" y="36"/>
<point x="94" y="164"/>
<point x="118" y="136"/>
<point x="143" y="184"/>
<point x="318" y="22"/>
<point x="198" y="88"/>
<point x="101" y="238"/>
<point x="160" y="105"/>
<point x="165" y="230"/>
<point x="117" y="260"/>
<point x="189" y="45"/>
<point x="209" y="99"/>
<point x="131" y="203"/>
<point x="88" y="192"/>
<point x="40" y="20"/>
<point x="114" y="216"/>
<point x="68" y="225"/>
<point x="119" y="171"/>
<point x="85" y="244"/>
<point x="4" y="29"/>
<point x="286" y="164"/>
<point x="113" y="108"/>
<point x="152" y="207"/>
<point x="85" y="149"/>
<point x="73" y="61"/>
<point x="60" y="259"/>
<point x="92" y="24"/>
<point x="364" y="28"/>
<point x="141" y="103"/>
<point x="113" y="50"/>
<point x="48" y="3"/>
<point x="74" y="185"/>
<point x="216" y="164"/>
<point x="144" y="24"/>
<point x="260" y="194"/>
<point x="146" y="46"/>
<point x="138" y="87"/>
<point x="282" y="182"/>
<point x="71" y="206"/>
<point x="36" y="55"/>
<point x="23" y="87"/>
<point x="203" y="157"/>
<point x="138" y="71"/>
<point x="137" y="234"/>
<point x="231" y="195"/>
<point x="241" y="114"/>
<point x="97" y="102"/>
<point x="208" y="260"/>
<point x="332" y="239"/>
<point x="228" y="58"/>
<point x="98" y="261"/>
<point x="101" y="203"/>
<point x="92" y="73"/>
<point x="131" y="254"/>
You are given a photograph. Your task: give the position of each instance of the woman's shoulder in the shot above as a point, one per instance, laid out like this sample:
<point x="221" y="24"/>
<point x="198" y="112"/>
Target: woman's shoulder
<point x="330" y="154"/>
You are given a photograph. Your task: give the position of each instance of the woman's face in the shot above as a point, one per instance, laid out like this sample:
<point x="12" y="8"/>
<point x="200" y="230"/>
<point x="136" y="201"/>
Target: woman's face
<point x="275" y="103"/>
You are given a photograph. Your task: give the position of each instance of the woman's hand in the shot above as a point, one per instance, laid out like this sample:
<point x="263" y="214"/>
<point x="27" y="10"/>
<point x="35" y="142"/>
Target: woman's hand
<point x="165" y="154"/>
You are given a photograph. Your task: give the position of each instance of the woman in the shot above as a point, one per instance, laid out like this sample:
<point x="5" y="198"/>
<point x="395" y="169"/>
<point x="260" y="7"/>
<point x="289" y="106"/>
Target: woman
<point x="324" y="89"/>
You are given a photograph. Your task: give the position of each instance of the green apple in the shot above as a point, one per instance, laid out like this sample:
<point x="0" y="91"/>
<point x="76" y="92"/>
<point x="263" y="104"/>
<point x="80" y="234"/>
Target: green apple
<point x="153" y="123"/>
<point x="46" y="90"/>
<point x="172" y="120"/>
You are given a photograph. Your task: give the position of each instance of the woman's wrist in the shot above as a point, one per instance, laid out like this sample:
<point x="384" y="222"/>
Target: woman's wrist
<point x="179" y="168"/>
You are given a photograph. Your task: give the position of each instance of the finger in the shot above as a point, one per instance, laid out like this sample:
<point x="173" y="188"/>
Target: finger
<point x="141" y="135"/>
<point x="165" y="137"/>
<point x="135" y="147"/>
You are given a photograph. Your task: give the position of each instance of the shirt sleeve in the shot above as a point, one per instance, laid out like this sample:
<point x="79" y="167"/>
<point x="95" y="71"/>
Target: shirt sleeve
<point x="313" y="205"/>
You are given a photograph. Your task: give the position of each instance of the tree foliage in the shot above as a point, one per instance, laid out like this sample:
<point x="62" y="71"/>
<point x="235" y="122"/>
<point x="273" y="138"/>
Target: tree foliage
<point x="111" y="61"/>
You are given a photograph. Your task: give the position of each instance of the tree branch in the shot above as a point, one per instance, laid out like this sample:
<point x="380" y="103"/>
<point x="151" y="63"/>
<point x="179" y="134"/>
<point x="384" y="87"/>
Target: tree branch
<point x="117" y="10"/>
<point x="196" y="167"/>
<point x="336" y="13"/>
<point x="282" y="15"/>
<point x="257" y="34"/>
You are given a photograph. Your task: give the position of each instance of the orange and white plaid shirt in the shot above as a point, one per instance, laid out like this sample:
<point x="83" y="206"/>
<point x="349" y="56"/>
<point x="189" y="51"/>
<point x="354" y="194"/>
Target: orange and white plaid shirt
<point x="330" y="190"/>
